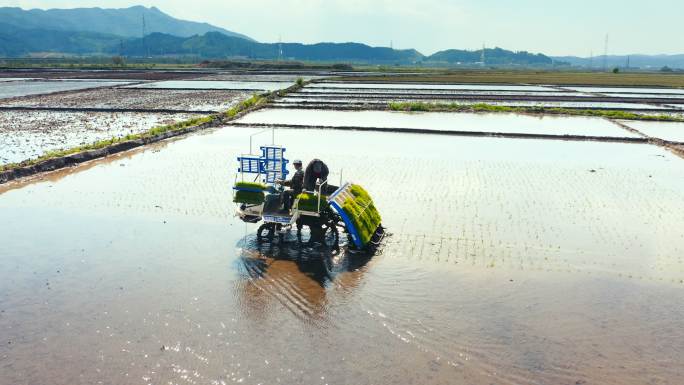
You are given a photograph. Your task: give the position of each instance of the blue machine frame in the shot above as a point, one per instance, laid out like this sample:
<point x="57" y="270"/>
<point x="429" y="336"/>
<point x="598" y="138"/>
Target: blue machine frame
<point x="271" y="164"/>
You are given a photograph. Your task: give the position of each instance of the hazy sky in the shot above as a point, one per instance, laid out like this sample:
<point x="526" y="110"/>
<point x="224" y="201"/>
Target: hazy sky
<point x="571" y="27"/>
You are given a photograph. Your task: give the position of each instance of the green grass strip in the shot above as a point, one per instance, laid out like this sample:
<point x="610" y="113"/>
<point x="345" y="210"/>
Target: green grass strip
<point x="483" y="107"/>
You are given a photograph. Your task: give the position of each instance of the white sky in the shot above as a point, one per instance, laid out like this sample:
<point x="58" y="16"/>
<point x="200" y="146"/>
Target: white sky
<point x="572" y="27"/>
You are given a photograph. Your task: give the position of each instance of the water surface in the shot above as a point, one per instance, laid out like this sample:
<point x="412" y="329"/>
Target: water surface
<point x="216" y="85"/>
<point x="11" y="89"/>
<point x="491" y="122"/>
<point x="510" y="261"/>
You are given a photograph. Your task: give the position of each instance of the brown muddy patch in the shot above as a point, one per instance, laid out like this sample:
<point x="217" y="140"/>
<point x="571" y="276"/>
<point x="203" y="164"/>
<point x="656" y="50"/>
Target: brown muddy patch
<point x="139" y="99"/>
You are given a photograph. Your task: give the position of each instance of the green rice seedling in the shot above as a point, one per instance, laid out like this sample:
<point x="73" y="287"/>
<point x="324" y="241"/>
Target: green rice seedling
<point x="250" y="185"/>
<point x="249" y="197"/>
<point x="309" y="202"/>
<point x="362" y="212"/>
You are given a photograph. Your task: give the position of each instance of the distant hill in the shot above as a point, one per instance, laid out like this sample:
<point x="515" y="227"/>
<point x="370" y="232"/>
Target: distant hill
<point x="111" y="32"/>
<point x="218" y="46"/>
<point x="15" y="42"/>
<point x="495" y="56"/>
<point x="126" y="22"/>
<point x="635" y="61"/>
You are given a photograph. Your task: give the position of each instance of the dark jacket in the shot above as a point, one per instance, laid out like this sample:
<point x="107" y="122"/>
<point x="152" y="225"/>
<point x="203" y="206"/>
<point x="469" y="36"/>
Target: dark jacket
<point x="315" y="170"/>
<point x="296" y="182"/>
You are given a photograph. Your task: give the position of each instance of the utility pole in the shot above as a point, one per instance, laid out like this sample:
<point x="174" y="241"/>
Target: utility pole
<point x="605" y="54"/>
<point x="591" y="59"/>
<point x="280" y="48"/>
<point x="627" y="62"/>
<point x="144" y="47"/>
<point x="483" y="57"/>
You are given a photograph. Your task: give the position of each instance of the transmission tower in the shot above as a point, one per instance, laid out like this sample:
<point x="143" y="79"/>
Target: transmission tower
<point x="280" y="48"/>
<point x="483" y="57"/>
<point x="144" y="46"/>
<point x="605" y="54"/>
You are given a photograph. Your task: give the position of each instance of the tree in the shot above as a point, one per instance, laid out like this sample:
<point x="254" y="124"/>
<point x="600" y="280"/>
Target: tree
<point x="616" y="70"/>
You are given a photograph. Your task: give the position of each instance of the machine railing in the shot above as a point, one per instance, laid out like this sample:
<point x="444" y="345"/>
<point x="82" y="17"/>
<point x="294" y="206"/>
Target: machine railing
<point x="320" y="187"/>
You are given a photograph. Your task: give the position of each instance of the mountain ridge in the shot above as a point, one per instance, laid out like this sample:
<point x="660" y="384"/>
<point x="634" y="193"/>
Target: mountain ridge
<point x="125" y="22"/>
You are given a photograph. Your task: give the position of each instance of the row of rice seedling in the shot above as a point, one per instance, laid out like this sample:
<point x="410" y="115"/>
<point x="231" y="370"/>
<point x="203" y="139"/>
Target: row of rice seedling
<point x="309" y="201"/>
<point x="362" y="212"/>
<point x="249" y="193"/>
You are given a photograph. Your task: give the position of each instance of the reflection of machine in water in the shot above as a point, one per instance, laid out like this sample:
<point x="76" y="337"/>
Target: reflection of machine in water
<point x="324" y="210"/>
<point x="291" y="276"/>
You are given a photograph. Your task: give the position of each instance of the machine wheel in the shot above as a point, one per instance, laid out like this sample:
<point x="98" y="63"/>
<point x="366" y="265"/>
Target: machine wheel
<point x="331" y="236"/>
<point x="266" y="232"/>
<point x="334" y="259"/>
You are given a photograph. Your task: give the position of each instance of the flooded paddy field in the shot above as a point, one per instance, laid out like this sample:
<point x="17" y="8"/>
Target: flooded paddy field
<point x="444" y="121"/>
<point x="634" y="90"/>
<point x="419" y="86"/>
<point x="216" y="85"/>
<point x="510" y="261"/>
<point x="671" y="131"/>
<point x="29" y="134"/>
<point x="41" y="116"/>
<point x="122" y="74"/>
<point x="24" y="88"/>
<point x="265" y="77"/>
<point x="326" y="94"/>
<point x="332" y="102"/>
<point x="127" y="98"/>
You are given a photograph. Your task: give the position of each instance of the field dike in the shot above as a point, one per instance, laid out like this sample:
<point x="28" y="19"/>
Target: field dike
<point x="55" y="160"/>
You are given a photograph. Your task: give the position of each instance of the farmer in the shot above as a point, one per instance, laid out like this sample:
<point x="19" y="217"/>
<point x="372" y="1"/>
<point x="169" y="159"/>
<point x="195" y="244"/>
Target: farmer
<point x="295" y="183"/>
<point x="316" y="172"/>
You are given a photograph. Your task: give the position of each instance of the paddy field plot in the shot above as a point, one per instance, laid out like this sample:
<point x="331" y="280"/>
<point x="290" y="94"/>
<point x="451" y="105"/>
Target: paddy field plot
<point x="30" y="134"/>
<point x="501" y="251"/>
<point x="671" y="131"/>
<point x="425" y="86"/>
<point x="216" y="85"/>
<point x="128" y="98"/>
<point x="474" y="122"/>
<point x="24" y="88"/>
<point x="634" y="90"/>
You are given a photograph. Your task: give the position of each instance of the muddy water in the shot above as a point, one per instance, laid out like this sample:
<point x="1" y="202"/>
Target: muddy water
<point x="29" y="134"/>
<point x="385" y="101"/>
<point x="216" y="85"/>
<point x="673" y="131"/>
<point x="192" y="100"/>
<point x="393" y="91"/>
<point x="509" y="123"/>
<point x="24" y="88"/>
<point x="511" y="261"/>
<point x="619" y="90"/>
<point x="409" y="86"/>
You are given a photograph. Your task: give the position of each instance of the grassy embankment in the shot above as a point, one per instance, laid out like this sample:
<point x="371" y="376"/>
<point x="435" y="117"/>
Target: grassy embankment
<point x="629" y="79"/>
<point x="483" y="107"/>
<point x="253" y="102"/>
